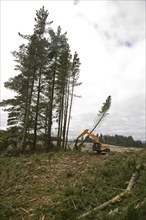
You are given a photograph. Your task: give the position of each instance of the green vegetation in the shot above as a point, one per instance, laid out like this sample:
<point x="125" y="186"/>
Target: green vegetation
<point x="64" y="185"/>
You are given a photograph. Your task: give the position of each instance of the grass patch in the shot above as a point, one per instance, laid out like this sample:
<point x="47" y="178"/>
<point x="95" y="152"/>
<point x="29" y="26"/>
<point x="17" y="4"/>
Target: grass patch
<point x="63" y="185"/>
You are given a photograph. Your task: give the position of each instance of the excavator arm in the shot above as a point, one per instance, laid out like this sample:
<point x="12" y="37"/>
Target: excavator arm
<point x="86" y="131"/>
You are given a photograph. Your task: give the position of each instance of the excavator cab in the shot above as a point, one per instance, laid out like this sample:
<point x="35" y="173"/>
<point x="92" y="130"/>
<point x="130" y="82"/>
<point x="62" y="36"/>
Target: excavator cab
<point x="99" y="148"/>
<point x="96" y="147"/>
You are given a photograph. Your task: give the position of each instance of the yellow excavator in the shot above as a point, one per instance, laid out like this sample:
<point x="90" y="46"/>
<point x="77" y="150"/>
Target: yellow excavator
<point x="97" y="146"/>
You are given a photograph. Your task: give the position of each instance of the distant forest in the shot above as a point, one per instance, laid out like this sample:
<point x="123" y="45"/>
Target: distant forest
<point x="120" y="140"/>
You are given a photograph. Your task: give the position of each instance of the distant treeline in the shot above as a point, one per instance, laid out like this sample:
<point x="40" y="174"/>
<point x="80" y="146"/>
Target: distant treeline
<point x="121" y="140"/>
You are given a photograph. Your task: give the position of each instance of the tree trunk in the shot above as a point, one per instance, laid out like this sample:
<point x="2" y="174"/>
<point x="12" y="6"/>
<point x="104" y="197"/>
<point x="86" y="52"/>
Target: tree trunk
<point x="102" y="116"/>
<point x="60" y="121"/>
<point x="69" y="116"/>
<point x="49" y="144"/>
<point x="28" y="103"/>
<point x="64" y="143"/>
<point x="37" y="111"/>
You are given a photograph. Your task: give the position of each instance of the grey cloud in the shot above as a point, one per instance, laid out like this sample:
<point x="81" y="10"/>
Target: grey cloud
<point x="127" y="43"/>
<point x="125" y="25"/>
<point x="128" y="21"/>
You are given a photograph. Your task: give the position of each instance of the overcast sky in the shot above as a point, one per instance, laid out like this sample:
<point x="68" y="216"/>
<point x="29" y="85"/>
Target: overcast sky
<point x="109" y="37"/>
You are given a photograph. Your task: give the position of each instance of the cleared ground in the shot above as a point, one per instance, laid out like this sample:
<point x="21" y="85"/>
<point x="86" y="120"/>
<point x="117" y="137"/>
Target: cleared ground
<point x="64" y="185"/>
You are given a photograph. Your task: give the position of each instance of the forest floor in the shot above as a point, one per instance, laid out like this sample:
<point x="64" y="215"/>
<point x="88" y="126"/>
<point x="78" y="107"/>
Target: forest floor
<point x="64" y="185"/>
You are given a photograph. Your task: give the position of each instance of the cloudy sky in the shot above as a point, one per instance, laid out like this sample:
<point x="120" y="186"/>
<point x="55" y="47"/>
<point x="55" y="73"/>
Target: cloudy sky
<point x="109" y="37"/>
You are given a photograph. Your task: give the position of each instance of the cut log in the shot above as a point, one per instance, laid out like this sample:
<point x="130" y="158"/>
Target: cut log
<point x="117" y="198"/>
<point x="132" y="181"/>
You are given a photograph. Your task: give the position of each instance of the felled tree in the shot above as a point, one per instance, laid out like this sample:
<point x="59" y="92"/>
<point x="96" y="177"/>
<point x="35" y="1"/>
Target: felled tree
<point x="102" y="114"/>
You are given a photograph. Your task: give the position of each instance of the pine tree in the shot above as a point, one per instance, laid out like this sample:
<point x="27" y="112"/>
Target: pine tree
<point x="103" y="112"/>
<point x="62" y="91"/>
<point x="51" y="79"/>
<point x="37" y="61"/>
<point x="74" y="77"/>
<point x="57" y="82"/>
<point x="42" y="61"/>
